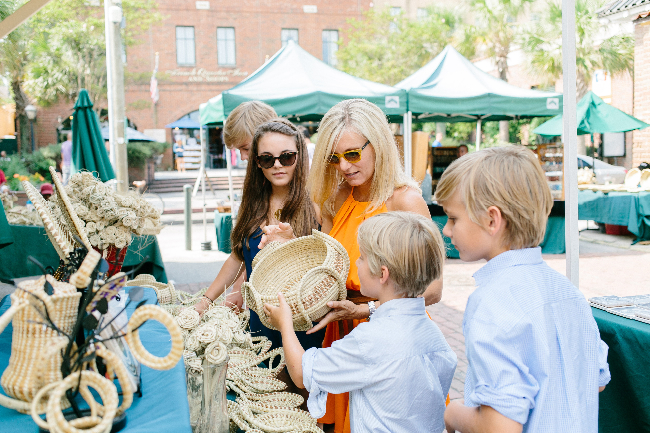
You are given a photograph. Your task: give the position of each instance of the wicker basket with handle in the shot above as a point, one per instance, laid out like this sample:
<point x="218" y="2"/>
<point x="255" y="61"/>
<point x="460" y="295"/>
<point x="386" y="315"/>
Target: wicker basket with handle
<point x="33" y="364"/>
<point x="310" y="271"/>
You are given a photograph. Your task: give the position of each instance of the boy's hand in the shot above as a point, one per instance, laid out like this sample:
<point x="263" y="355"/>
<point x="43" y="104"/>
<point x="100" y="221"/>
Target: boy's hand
<point x="449" y="424"/>
<point x="279" y="316"/>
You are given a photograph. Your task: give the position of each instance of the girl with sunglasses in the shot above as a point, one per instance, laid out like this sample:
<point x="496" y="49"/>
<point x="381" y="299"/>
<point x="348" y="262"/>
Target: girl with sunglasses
<point x="275" y="189"/>
<point x="356" y="173"/>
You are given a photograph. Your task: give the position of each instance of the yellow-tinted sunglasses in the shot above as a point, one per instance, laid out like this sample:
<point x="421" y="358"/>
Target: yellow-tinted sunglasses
<point x="351" y="156"/>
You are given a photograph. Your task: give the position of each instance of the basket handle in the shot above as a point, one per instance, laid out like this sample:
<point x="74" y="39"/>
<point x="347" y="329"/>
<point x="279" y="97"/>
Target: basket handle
<point x="303" y="287"/>
<point x="140" y="316"/>
<point x="5" y="319"/>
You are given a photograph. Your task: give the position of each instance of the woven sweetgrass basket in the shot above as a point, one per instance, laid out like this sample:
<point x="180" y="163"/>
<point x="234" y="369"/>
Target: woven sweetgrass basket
<point x="310" y="271"/>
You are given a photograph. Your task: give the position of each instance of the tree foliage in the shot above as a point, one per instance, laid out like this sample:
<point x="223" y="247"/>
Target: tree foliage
<point x="542" y="43"/>
<point x="497" y="28"/>
<point x="386" y="49"/>
<point x="68" y="52"/>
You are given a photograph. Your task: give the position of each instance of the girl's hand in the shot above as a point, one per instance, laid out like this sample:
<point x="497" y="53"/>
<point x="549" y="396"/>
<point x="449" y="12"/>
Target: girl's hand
<point x="281" y="233"/>
<point x="279" y="316"/>
<point x="235" y="301"/>
<point x="202" y="306"/>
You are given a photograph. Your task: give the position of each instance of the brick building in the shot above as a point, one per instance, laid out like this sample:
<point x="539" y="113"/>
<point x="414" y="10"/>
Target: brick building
<point x="206" y="47"/>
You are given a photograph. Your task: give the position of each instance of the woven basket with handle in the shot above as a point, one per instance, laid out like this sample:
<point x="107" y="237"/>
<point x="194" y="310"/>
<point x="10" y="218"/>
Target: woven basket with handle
<point x="310" y="271"/>
<point x="33" y="364"/>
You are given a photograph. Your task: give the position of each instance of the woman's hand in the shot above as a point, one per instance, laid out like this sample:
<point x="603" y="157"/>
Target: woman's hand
<point x="281" y="233"/>
<point x="342" y="310"/>
<point x="279" y="317"/>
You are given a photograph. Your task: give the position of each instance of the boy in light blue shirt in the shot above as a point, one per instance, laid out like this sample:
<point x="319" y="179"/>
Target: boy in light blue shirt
<point x="397" y="367"/>
<point x="536" y="360"/>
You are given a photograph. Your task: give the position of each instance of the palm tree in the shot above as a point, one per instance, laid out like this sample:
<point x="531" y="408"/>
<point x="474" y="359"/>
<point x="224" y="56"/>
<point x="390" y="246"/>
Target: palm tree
<point x="14" y="56"/>
<point x="497" y="30"/>
<point x="543" y="45"/>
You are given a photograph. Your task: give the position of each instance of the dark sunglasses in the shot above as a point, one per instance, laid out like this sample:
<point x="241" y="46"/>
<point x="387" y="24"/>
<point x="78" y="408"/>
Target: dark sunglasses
<point x="287" y="159"/>
<point x="352" y="155"/>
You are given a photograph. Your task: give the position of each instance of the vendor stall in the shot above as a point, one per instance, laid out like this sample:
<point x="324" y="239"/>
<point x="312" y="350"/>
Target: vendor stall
<point x="631" y="210"/>
<point x="163" y="405"/>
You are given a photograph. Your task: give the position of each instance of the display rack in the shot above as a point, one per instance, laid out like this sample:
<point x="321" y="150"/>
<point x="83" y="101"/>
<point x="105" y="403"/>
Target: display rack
<point x="440" y="159"/>
<point x="551" y="157"/>
<point x="192" y="155"/>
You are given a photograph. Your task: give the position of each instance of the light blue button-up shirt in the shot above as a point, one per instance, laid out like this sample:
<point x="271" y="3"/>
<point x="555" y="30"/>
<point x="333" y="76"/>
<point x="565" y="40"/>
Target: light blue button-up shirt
<point x="397" y="367"/>
<point x="533" y="347"/>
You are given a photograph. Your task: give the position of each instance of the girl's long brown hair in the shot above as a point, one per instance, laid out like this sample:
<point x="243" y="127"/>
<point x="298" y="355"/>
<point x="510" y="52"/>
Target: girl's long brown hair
<point x="298" y="209"/>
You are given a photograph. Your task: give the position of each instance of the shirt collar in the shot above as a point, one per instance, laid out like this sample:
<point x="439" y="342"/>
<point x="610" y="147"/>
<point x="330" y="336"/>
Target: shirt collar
<point x="525" y="256"/>
<point x="400" y="307"/>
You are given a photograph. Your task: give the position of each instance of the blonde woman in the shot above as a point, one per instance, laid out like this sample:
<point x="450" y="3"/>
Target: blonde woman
<point x="356" y="173"/>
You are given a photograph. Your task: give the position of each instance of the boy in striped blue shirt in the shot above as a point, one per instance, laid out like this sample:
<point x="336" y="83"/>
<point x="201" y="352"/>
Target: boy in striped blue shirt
<point x="397" y="367"/>
<point x="536" y="360"/>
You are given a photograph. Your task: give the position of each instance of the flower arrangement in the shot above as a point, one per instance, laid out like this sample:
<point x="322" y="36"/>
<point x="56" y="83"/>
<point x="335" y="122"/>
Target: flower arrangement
<point x="110" y="219"/>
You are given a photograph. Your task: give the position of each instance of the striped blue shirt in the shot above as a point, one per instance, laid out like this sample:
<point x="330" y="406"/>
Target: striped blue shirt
<point x="397" y="367"/>
<point x="533" y="347"/>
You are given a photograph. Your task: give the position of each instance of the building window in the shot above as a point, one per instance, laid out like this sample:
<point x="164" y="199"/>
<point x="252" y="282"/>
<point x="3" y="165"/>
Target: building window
<point x="289" y="35"/>
<point x="422" y="13"/>
<point x="330" y="46"/>
<point x="226" y="46"/>
<point x="394" y="11"/>
<point x="185" y="55"/>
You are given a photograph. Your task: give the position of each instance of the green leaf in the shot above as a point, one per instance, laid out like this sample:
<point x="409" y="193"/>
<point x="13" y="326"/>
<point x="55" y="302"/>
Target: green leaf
<point x="90" y="322"/>
<point x="102" y="306"/>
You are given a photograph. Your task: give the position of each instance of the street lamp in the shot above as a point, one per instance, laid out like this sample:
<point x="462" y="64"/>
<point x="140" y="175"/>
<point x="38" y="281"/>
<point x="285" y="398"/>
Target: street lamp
<point x="30" y="110"/>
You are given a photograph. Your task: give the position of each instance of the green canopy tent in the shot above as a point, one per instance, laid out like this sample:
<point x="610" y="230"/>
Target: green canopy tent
<point x="594" y="116"/>
<point x="298" y="85"/>
<point x="88" y="150"/>
<point x="211" y="112"/>
<point x="451" y="89"/>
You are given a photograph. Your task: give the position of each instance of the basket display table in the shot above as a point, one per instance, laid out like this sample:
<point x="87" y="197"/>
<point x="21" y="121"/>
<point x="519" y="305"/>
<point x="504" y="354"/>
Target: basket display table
<point x="625" y="402"/>
<point x="32" y="240"/>
<point x="163" y="406"/>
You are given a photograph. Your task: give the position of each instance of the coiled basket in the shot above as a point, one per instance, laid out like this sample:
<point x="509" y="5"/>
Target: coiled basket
<point x="310" y="271"/>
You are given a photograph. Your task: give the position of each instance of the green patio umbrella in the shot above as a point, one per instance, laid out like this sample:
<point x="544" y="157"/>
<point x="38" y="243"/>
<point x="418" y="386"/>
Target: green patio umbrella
<point x="594" y="115"/>
<point x="88" y="150"/>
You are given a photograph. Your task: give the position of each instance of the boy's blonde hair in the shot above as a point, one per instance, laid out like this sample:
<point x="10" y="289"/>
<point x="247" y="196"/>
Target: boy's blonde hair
<point x="243" y="121"/>
<point x="510" y="178"/>
<point x="408" y="244"/>
<point x="366" y="119"/>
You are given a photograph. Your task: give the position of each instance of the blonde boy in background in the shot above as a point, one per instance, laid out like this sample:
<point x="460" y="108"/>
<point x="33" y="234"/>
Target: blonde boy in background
<point x="536" y="360"/>
<point x="242" y="122"/>
<point x="397" y="367"/>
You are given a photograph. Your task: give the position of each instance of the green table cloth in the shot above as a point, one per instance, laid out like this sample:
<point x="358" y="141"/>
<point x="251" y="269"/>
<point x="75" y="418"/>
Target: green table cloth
<point x="631" y="210"/>
<point x="32" y="240"/>
<point x="163" y="406"/>
<point x="6" y="237"/>
<point x="625" y="402"/>
<point x="223" y="227"/>
<point x="553" y="242"/>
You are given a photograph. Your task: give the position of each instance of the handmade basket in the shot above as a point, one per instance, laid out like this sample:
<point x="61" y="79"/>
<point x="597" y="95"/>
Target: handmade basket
<point x="310" y="271"/>
<point x="33" y="364"/>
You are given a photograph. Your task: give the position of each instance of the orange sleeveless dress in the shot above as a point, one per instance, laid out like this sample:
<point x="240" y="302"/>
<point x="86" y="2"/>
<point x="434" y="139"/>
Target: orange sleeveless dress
<point x="346" y="224"/>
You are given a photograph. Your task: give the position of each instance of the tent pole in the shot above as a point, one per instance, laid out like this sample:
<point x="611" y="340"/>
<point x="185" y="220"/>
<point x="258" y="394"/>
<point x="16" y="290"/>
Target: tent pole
<point x="205" y="218"/>
<point x="478" y="135"/>
<point x="570" y="140"/>
<point x="408" y="151"/>
<point x="230" y="187"/>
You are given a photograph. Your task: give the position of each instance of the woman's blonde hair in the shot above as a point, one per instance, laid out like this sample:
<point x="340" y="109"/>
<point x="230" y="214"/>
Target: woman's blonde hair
<point x="243" y="121"/>
<point x="367" y="120"/>
<point x="408" y="244"/>
<point x="510" y="178"/>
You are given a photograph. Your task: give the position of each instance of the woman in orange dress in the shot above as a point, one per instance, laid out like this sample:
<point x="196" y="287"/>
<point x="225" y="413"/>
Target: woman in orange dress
<point x="356" y="173"/>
